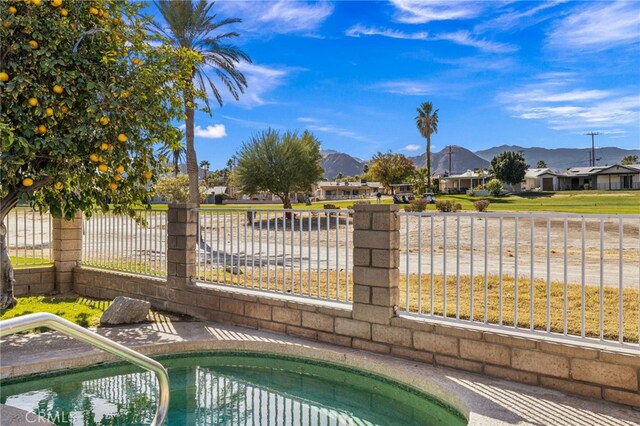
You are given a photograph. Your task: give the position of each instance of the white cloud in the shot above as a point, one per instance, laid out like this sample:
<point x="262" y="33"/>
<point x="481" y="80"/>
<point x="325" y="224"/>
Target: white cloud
<point x="564" y="107"/>
<point x="360" y="30"/>
<point x="307" y="120"/>
<point x="412" y="147"/>
<point x="261" y="81"/>
<point x="216" y="131"/>
<point x="420" y="11"/>
<point x="465" y="38"/>
<point x="598" y="26"/>
<point x="517" y="18"/>
<point x="410" y="88"/>
<point x="280" y="17"/>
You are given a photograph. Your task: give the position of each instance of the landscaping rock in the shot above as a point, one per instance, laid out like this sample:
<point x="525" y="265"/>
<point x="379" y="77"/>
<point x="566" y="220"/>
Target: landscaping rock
<point x="125" y="310"/>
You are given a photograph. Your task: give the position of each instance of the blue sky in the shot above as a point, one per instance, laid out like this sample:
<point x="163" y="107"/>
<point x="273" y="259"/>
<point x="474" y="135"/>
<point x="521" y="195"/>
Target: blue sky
<point x="500" y="72"/>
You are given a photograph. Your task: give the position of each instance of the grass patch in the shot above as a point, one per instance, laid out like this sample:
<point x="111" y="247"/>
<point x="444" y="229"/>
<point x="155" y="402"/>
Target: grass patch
<point x="600" y="202"/>
<point x="28" y="262"/>
<point x="79" y="310"/>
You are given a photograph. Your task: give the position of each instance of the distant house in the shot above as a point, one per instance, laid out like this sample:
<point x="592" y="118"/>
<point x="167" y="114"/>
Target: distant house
<point x="543" y="179"/>
<point x="402" y="188"/>
<point x="337" y="190"/>
<point x="465" y="181"/>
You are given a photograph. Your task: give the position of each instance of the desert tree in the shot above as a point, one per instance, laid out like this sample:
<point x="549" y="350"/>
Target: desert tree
<point x="280" y="164"/>
<point x="509" y="167"/>
<point x="390" y="168"/>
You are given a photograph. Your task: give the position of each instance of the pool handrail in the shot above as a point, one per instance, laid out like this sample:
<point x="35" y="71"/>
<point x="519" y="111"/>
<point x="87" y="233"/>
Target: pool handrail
<point x="54" y="322"/>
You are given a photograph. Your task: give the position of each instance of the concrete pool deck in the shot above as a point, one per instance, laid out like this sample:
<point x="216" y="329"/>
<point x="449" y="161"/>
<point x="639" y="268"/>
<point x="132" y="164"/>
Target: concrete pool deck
<point x="483" y="400"/>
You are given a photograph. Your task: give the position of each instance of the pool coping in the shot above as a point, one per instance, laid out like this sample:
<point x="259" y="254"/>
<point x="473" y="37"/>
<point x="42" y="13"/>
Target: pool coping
<point x="482" y="400"/>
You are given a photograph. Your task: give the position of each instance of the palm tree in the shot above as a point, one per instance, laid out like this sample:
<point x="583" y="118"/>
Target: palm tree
<point x="204" y="165"/>
<point x="190" y="25"/>
<point x="176" y="152"/>
<point x="427" y="122"/>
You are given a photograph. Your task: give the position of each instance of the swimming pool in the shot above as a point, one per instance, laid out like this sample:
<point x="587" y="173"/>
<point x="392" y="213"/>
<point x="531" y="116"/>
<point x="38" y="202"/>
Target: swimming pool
<point x="224" y="388"/>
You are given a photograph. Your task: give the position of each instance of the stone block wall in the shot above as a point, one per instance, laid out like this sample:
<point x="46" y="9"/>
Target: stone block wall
<point x="370" y="322"/>
<point x="34" y="281"/>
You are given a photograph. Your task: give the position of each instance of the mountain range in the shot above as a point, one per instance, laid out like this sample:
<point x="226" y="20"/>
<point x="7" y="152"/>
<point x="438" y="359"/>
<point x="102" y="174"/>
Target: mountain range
<point x="462" y="159"/>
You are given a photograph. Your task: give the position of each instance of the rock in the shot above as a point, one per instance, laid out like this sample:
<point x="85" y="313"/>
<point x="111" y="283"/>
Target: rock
<point x="125" y="310"/>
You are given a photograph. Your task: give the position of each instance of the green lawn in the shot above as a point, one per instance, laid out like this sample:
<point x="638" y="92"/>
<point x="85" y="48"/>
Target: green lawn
<point x="28" y="262"/>
<point x="600" y="202"/>
<point x="79" y="310"/>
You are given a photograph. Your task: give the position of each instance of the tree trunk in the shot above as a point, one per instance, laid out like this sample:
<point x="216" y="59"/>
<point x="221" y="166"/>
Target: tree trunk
<point x="192" y="162"/>
<point x="7" y="278"/>
<point x="429" y="162"/>
<point x="286" y="202"/>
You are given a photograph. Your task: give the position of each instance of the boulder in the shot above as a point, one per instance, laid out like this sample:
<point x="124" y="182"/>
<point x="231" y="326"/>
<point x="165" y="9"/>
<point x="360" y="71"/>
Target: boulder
<point x="125" y="310"/>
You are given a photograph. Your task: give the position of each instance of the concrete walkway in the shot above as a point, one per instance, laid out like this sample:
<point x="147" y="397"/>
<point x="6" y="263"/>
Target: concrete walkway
<point x="485" y="401"/>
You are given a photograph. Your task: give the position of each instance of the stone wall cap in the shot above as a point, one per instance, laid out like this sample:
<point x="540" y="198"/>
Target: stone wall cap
<point x="376" y="208"/>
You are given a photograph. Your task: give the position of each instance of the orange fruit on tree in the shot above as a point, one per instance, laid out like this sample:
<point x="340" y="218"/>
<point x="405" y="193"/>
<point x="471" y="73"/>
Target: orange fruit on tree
<point x="100" y="159"/>
<point x="94" y="158"/>
<point x="103" y="167"/>
<point x="64" y="109"/>
<point x="6" y="24"/>
<point x="93" y="11"/>
<point x="58" y="186"/>
<point x="117" y="176"/>
<point x="57" y="89"/>
<point x="56" y="3"/>
<point x="120" y="169"/>
<point x="122" y="138"/>
<point x="36" y="2"/>
<point x="41" y="129"/>
<point x="113" y="186"/>
<point x="13" y="10"/>
<point x="64" y="12"/>
<point x="110" y="147"/>
<point x="49" y="112"/>
<point x="33" y="102"/>
<point x="147" y="174"/>
<point x="33" y="44"/>
<point x="4" y="76"/>
<point x="104" y="146"/>
<point x="27" y="182"/>
<point x="124" y="94"/>
<point x="104" y="120"/>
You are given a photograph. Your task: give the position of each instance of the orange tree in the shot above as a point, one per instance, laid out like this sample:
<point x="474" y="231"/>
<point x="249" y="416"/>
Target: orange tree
<point x="85" y="93"/>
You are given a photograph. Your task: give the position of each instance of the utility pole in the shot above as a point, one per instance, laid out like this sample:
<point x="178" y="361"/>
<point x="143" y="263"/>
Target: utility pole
<point x="592" y="163"/>
<point x="450" y="154"/>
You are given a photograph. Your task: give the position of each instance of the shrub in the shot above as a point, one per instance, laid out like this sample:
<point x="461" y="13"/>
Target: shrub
<point x="494" y="186"/>
<point x="350" y="207"/>
<point x="419" y="205"/>
<point x="329" y="206"/>
<point x="481" y="205"/>
<point x="448" y="206"/>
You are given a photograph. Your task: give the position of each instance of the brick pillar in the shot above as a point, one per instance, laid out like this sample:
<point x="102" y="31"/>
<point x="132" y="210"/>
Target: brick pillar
<point x="376" y="257"/>
<point x="181" y="244"/>
<point x="66" y="242"/>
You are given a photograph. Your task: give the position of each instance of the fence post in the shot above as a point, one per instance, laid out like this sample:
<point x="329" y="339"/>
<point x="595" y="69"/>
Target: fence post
<point x="376" y="258"/>
<point x="66" y="250"/>
<point x="182" y="223"/>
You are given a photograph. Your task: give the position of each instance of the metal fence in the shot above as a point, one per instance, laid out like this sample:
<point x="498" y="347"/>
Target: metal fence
<point x="121" y="243"/>
<point x="298" y="252"/>
<point x="28" y="237"/>
<point x="560" y="274"/>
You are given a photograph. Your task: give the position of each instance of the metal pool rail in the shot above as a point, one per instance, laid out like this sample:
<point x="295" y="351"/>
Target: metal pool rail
<point x="304" y="253"/>
<point x="54" y="322"/>
<point x="122" y="243"/>
<point x="28" y="237"/>
<point x="567" y="275"/>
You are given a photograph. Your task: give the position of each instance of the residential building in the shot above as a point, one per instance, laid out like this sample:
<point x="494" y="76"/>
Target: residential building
<point x="338" y="190"/>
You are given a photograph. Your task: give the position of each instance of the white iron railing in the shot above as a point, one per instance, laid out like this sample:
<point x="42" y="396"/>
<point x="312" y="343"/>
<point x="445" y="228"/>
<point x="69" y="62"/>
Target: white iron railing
<point x="122" y="243"/>
<point x="299" y="252"/>
<point x="567" y="275"/>
<point x="28" y="237"/>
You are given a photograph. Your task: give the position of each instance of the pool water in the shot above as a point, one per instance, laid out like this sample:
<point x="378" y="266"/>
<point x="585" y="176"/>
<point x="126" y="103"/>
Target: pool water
<point x="228" y="389"/>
